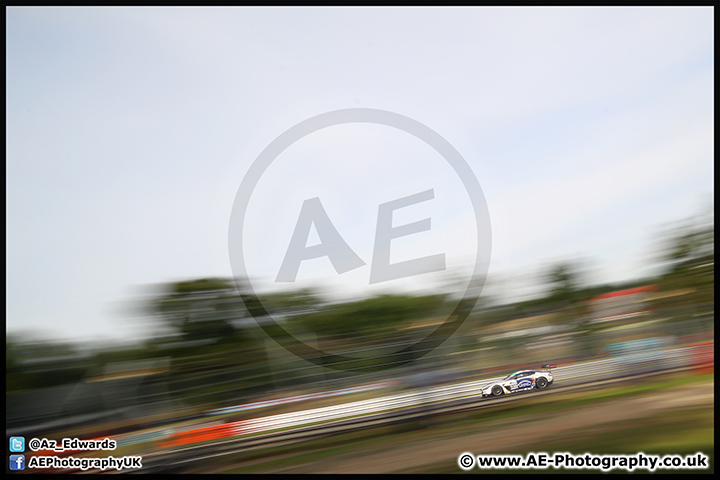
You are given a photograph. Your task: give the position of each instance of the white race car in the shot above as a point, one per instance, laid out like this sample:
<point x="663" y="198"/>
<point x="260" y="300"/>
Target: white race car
<point x="520" y="381"/>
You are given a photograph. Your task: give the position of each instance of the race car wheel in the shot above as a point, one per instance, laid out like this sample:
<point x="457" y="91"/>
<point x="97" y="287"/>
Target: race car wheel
<point x="541" y="383"/>
<point x="497" y="391"/>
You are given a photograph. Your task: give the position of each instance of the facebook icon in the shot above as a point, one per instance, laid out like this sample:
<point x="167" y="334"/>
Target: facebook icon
<point x="17" y="462"/>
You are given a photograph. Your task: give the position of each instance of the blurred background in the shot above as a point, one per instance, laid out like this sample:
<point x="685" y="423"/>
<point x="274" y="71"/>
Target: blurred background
<point x="130" y="130"/>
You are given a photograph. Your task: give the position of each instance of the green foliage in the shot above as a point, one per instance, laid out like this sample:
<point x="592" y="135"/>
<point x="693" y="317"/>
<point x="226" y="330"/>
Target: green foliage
<point x="383" y="313"/>
<point x="688" y="279"/>
<point x="202" y="310"/>
<point x="34" y="364"/>
<point x="291" y="302"/>
<point x="564" y="284"/>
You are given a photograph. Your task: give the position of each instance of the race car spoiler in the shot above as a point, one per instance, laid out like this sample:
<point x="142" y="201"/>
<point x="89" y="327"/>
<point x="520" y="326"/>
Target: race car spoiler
<point x="549" y="365"/>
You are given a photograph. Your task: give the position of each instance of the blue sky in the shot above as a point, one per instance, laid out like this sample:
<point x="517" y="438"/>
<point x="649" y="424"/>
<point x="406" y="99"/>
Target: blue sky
<point x="129" y="131"/>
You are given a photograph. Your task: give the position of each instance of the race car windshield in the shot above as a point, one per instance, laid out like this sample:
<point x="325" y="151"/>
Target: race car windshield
<point x="509" y="377"/>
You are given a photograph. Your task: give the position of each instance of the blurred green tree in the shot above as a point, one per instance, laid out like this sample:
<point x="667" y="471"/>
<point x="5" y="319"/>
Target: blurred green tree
<point x="687" y="279"/>
<point x="382" y="315"/>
